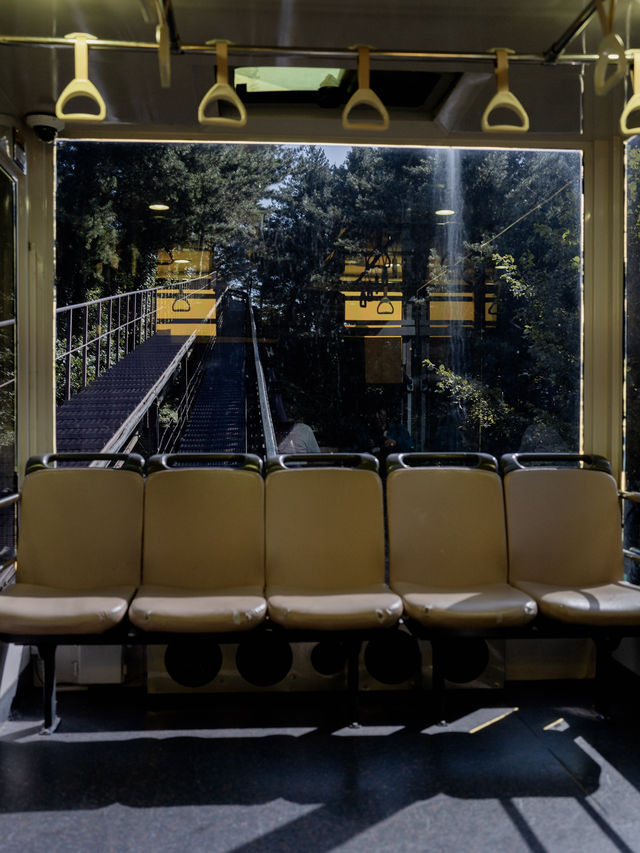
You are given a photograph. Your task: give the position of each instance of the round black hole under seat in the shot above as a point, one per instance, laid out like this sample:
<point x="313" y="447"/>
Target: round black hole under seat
<point x="464" y="659"/>
<point x="329" y="657"/>
<point x="392" y="658"/>
<point x="193" y="663"/>
<point x="264" y="661"/>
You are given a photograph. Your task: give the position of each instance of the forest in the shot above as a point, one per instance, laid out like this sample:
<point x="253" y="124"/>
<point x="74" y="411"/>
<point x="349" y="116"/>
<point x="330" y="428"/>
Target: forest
<point x="481" y="247"/>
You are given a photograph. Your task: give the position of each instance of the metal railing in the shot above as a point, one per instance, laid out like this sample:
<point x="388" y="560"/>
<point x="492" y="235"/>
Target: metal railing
<point x="269" y="435"/>
<point x="170" y="435"/>
<point x="120" y="438"/>
<point x="95" y="335"/>
<point x="8" y="527"/>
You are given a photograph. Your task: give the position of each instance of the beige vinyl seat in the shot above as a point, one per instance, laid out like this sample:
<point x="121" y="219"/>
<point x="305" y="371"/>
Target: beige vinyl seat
<point x="203" y="552"/>
<point x="325" y="547"/>
<point x="447" y="543"/>
<point x="565" y="539"/>
<point x="78" y="557"/>
<point x="79" y="546"/>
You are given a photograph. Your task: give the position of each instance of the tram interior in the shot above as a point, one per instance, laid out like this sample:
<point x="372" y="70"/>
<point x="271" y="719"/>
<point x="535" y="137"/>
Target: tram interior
<point x="395" y="227"/>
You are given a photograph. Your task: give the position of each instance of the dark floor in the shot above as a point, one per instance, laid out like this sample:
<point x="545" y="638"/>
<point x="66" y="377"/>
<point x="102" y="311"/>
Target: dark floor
<point x="528" y="767"/>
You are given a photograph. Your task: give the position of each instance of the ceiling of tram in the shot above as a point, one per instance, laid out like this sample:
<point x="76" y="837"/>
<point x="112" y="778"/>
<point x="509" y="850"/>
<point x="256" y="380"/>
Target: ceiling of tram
<point x="32" y="76"/>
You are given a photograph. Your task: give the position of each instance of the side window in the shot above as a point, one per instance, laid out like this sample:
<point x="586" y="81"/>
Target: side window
<point x="632" y="360"/>
<point x="7" y="362"/>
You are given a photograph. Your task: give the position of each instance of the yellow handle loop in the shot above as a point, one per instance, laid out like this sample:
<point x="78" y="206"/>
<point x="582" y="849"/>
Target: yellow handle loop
<point x="610" y="49"/>
<point x="633" y="103"/>
<point x="364" y="96"/>
<point x="504" y="99"/>
<point x="222" y="91"/>
<point x="80" y="86"/>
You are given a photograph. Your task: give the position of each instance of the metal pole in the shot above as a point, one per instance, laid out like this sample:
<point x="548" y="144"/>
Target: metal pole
<point x="85" y="336"/>
<point x="67" y="390"/>
<point x="98" y="341"/>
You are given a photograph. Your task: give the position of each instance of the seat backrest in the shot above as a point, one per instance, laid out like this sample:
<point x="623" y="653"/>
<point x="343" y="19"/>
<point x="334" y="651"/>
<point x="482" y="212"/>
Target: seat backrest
<point x="563" y="526"/>
<point x="446" y="526"/>
<point x="204" y="528"/>
<point x="324" y="529"/>
<point x="80" y="528"/>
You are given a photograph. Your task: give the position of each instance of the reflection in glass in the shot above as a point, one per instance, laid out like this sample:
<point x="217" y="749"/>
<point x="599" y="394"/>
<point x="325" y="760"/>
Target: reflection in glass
<point x="435" y="290"/>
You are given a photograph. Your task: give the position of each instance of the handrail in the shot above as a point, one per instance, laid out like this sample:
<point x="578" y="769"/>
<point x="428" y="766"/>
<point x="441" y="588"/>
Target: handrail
<point x="270" y="445"/>
<point x="8" y="566"/>
<point x="9" y="500"/>
<point x="62" y="308"/>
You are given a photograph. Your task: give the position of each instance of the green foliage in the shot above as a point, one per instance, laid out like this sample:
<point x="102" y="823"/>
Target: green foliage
<point x="108" y="239"/>
<point x="481" y="407"/>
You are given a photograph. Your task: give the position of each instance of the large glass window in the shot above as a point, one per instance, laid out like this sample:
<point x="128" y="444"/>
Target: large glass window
<point x="425" y="298"/>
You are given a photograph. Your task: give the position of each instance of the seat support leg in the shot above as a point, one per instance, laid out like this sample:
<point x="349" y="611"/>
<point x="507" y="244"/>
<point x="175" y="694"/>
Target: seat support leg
<point x="47" y="652"/>
<point x="605" y="646"/>
<point x="437" y="683"/>
<point x="353" y="666"/>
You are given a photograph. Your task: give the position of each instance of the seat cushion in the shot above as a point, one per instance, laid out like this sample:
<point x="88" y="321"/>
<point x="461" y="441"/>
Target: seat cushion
<point x="371" y="607"/>
<point x="32" y="609"/>
<point x="165" y="608"/>
<point x="602" y="604"/>
<point x="476" y="606"/>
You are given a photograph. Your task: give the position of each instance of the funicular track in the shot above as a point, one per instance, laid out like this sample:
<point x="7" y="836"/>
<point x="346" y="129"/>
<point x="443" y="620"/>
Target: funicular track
<point x="218" y="418"/>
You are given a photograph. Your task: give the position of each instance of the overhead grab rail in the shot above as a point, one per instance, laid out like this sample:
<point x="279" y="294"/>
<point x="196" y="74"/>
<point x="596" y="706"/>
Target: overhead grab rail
<point x="364" y="96"/>
<point x="318" y="52"/>
<point x="633" y="104"/>
<point x="80" y="86"/>
<point x="611" y="49"/>
<point x="222" y="91"/>
<point x="504" y="98"/>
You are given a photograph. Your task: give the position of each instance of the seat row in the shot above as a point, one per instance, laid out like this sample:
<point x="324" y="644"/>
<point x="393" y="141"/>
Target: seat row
<point x="216" y="545"/>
